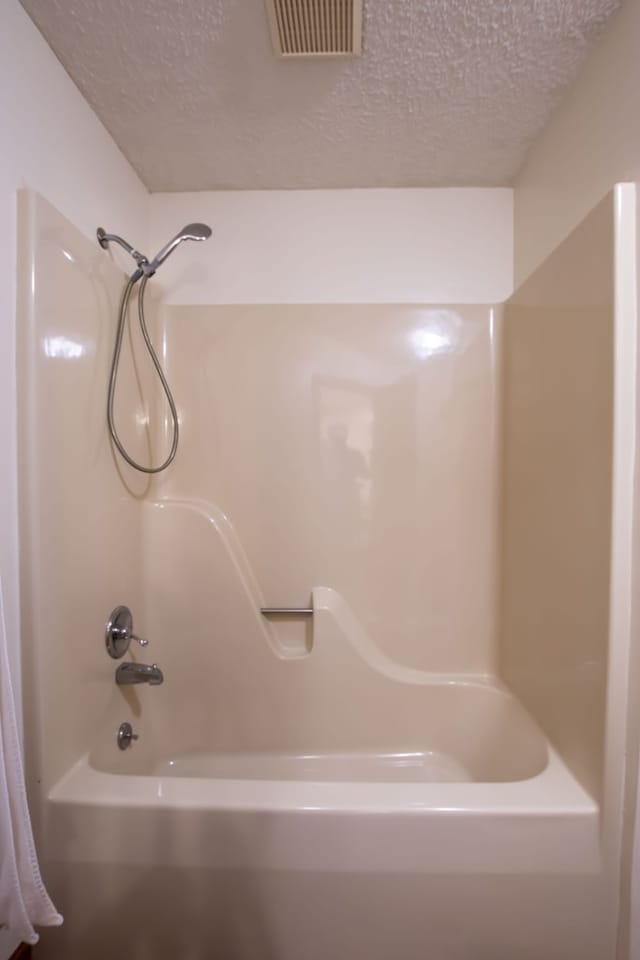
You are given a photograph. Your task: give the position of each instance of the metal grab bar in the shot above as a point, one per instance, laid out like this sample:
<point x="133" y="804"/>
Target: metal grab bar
<point x="286" y="611"/>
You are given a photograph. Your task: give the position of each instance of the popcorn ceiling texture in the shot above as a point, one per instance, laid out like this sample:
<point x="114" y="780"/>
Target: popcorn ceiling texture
<point x="446" y="93"/>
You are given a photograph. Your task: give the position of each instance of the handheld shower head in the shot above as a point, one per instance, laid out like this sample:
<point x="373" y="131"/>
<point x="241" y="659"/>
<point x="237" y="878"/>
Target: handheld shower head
<point x="195" y="231"/>
<point x="192" y="231"/>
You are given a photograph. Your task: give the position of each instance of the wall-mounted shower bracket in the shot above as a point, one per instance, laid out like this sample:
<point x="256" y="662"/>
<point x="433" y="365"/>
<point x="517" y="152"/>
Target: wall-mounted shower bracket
<point x="104" y="239"/>
<point x="119" y="633"/>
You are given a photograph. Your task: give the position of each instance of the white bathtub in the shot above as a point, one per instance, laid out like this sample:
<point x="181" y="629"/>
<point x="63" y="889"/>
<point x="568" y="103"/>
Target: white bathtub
<point x="440" y="773"/>
<point x="280" y="806"/>
<point x="283" y="806"/>
<point x="244" y="856"/>
<point x="477" y="790"/>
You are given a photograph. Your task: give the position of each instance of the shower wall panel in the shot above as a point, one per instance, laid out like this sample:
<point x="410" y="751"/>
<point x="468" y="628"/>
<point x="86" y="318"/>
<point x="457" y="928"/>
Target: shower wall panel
<point x="353" y="447"/>
<point x="79" y="510"/>
<point x="557" y="486"/>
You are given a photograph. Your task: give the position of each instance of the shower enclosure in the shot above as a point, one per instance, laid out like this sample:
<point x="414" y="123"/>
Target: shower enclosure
<point x="387" y="581"/>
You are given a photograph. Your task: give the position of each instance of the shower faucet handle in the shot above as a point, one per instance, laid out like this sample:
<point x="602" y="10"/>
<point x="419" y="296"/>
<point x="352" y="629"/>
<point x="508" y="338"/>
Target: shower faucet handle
<point x="119" y="633"/>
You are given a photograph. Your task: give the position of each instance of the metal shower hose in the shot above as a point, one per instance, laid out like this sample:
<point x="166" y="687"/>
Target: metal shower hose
<point x="124" y="305"/>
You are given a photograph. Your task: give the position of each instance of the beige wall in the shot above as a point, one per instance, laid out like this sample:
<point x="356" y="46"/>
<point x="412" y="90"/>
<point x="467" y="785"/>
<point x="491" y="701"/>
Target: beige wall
<point x="80" y="510"/>
<point x="259" y="404"/>
<point x="570" y="415"/>
<point x="591" y="142"/>
<point x="357" y="444"/>
<point x="557" y="484"/>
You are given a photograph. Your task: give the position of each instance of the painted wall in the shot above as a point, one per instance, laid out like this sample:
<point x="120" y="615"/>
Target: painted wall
<point x="339" y="246"/>
<point x="591" y="142"/>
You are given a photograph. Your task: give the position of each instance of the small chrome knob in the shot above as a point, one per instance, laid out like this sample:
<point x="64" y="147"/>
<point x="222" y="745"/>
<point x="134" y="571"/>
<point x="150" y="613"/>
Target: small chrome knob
<point x="125" y="735"/>
<point x="119" y="633"/>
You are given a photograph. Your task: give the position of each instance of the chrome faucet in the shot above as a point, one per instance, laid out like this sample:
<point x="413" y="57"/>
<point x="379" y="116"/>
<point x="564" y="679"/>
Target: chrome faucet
<point x="139" y="673"/>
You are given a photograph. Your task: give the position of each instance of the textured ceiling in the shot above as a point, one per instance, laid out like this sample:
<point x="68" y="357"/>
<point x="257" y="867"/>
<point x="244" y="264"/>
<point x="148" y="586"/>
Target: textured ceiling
<point x="447" y="92"/>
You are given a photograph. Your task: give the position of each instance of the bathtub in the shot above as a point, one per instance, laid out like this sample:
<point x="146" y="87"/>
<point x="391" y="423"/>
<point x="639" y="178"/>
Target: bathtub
<point x="354" y="811"/>
<point x="302" y="795"/>
<point x="278" y="855"/>
<point x="347" y="760"/>
<point x="289" y="782"/>
<point x="282" y="768"/>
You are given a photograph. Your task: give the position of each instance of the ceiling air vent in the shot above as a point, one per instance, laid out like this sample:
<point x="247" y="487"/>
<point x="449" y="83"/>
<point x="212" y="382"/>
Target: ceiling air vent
<point x="312" y="28"/>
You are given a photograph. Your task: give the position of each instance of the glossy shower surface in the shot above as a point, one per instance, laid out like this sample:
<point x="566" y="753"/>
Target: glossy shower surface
<point x="558" y="376"/>
<point x="358" y="445"/>
<point x="437" y="490"/>
<point x="81" y="511"/>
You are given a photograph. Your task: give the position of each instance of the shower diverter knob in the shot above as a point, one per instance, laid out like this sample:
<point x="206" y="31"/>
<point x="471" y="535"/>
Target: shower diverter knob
<point x="125" y="735"/>
<point x="119" y="633"/>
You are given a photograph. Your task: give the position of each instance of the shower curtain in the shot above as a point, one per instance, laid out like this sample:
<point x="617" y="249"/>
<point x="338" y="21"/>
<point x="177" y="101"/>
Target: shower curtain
<point x="24" y="902"/>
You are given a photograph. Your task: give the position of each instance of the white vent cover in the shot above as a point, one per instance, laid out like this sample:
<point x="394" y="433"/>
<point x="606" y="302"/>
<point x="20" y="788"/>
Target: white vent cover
<point x="311" y="28"/>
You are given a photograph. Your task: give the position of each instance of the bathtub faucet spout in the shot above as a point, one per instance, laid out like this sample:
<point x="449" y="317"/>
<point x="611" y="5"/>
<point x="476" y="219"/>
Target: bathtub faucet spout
<point x="139" y="673"/>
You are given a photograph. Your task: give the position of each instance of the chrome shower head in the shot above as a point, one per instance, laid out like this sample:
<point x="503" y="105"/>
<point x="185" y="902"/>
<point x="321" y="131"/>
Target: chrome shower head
<point x="146" y="268"/>
<point x="192" y="231"/>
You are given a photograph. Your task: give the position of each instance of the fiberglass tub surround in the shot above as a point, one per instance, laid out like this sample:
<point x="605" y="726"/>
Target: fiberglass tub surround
<point x="366" y="463"/>
<point x="342" y="712"/>
<point x="355" y="445"/>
